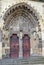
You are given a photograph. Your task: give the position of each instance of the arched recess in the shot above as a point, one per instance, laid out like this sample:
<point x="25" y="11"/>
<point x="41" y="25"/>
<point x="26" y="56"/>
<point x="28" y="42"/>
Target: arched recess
<point x="23" y="17"/>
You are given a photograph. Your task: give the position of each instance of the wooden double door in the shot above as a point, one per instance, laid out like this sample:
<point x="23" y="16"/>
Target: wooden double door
<point x="14" y="46"/>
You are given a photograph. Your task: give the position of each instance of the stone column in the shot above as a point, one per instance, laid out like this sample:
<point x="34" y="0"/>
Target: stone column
<point x="0" y="44"/>
<point x="20" y="46"/>
<point x="42" y="43"/>
<point x="43" y="33"/>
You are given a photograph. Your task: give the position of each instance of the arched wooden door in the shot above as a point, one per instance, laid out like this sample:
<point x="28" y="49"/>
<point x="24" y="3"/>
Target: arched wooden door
<point x="26" y="46"/>
<point x="14" y="46"/>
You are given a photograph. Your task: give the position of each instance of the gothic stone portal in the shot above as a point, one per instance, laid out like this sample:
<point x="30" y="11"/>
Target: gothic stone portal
<point x="22" y="44"/>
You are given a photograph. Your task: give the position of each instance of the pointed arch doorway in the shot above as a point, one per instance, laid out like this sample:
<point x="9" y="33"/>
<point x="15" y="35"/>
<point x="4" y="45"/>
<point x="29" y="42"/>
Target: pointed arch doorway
<point x="26" y="18"/>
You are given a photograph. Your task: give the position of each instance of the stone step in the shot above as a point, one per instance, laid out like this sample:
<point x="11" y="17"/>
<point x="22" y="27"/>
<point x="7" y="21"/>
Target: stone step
<point x="25" y="61"/>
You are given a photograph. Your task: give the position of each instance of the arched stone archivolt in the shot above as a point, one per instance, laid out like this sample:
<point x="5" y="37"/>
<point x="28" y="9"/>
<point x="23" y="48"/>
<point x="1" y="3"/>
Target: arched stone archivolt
<point x="23" y="17"/>
<point x="21" y="6"/>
